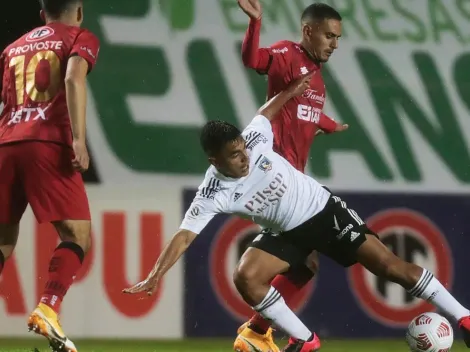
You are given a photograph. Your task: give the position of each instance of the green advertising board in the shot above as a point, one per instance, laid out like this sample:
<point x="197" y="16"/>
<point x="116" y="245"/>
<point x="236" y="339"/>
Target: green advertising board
<point x="400" y="79"/>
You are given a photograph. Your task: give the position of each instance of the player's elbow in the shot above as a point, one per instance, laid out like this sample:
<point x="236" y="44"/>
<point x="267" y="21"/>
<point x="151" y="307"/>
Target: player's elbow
<point x="248" y="62"/>
<point x="77" y="69"/>
<point x="185" y="237"/>
<point x="266" y="113"/>
<point x="73" y="81"/>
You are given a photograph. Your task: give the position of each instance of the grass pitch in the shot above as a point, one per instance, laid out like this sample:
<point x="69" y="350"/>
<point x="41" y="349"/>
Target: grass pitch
<point x="202" y="345"/>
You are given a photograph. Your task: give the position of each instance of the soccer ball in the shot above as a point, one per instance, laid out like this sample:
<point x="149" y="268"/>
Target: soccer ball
<point x="429" y="332"/>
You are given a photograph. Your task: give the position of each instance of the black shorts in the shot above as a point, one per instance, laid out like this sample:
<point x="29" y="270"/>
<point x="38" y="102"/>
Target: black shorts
<point x="337" y="232"/>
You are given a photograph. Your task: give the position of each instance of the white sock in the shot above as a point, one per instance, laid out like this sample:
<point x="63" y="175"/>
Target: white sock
<point x="431" y="290"/>
<point x="274" y="308"/>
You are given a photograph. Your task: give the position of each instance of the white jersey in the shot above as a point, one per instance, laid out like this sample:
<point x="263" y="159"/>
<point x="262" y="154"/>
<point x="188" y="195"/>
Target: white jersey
<point x="274" y="194"/>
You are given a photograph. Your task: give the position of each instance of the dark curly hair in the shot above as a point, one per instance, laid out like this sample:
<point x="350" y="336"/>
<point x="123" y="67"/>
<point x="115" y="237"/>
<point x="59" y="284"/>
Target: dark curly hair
<point x="216" y="134"/>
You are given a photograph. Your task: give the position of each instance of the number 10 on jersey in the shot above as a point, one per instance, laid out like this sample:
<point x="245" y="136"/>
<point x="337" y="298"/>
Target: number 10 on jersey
<point x="39" y="78"/>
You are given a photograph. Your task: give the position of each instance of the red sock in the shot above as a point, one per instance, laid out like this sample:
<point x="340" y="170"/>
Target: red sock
<point x="65" y="262"/>
<point x="287" y="289"/>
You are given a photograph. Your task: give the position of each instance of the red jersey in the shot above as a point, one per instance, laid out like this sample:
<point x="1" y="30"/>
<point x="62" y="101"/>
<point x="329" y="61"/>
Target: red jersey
<point x="32" y="87"/>
<point x="300" y="118"/>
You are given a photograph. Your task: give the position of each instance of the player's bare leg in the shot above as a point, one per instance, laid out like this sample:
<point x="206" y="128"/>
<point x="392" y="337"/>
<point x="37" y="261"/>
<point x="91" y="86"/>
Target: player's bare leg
<point x="419" y="282"/>
<point x="8" y="238"/>
<point x="64" y="265"/>
<point x="252" y="278"/>
<point x="288" y="284"/>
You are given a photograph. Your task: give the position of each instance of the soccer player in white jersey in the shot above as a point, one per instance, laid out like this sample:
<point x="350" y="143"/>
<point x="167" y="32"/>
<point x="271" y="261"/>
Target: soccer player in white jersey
<point x="248" y="178"/>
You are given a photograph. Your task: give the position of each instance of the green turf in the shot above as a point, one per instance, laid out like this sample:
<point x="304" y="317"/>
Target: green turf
<point x="204" y="346"/>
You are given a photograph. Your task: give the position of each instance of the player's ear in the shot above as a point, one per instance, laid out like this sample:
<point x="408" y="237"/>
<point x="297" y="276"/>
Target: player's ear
<point x="306" y="30"/>
<point x="212" y="161"/>
<point x="42" y="14"/>
<point x="80" y="14"/>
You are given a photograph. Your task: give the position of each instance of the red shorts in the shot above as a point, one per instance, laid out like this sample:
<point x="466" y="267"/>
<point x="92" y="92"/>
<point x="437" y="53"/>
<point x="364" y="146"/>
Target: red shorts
<point x="41" y="174"/>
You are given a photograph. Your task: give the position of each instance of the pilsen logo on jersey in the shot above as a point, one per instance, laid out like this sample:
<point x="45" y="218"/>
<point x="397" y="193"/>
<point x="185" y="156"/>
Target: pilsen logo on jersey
<point x="268" y="196"/>
<point x="253" y="139"/>
<point x="39" y="34"/>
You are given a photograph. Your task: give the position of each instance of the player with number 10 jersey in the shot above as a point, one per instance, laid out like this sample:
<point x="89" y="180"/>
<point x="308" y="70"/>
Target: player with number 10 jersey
<point x="43" y="148"/>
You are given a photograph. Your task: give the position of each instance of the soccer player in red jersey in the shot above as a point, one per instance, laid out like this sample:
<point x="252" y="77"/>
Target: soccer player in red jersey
<point x="296" y="125"/>
<point x="43" y="149"/>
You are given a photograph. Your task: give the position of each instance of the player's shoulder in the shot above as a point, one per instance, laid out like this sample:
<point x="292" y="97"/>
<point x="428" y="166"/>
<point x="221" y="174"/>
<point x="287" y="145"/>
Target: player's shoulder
<point x="210" y="186"/>
<point x="287" y="44"/>
<point x="259" y="122"/>
<point x="80" y="36"/>
<point x="258" y="135"/>
<point x="88" y="34"/>
<point x="286" y="47"/>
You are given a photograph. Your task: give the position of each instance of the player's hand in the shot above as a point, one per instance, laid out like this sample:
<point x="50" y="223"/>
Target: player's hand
<point x="251" y="7"/>
<point x="300" y="85"/>
<point x="339" y="128"/>
<point x="81" y="160"/>
<point x="149" y="285"/>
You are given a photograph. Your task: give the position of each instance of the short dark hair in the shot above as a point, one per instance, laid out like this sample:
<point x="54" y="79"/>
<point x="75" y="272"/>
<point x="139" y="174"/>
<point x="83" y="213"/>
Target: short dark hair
<point x="216" y="134"/>
<point x="55" y="8"/>
<point x="320" y="12"/>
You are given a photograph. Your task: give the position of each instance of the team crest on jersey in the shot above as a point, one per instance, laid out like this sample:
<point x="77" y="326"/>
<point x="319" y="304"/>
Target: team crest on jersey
<point x="39" y="34"/>
<point x="265" y="165"/>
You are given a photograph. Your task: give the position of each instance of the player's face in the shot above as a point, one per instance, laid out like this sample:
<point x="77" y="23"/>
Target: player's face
<point x="322" y="38"/>
<point x="233" y="160"/>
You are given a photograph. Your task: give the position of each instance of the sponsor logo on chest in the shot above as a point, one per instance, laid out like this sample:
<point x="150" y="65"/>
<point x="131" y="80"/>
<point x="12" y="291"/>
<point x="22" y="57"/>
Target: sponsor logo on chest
<point x="270" y="195"/>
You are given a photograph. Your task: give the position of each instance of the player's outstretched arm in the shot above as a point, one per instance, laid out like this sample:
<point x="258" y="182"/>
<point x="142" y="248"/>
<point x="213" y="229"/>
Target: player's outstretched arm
<point x="252" y="55"/>
<point x="275" y="104"/>
<point x="75" y="88"/>
<point x="169" y="256"/>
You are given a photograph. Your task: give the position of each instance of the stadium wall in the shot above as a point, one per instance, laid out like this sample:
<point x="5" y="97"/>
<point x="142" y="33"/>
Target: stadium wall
<point x="197" y="297"/>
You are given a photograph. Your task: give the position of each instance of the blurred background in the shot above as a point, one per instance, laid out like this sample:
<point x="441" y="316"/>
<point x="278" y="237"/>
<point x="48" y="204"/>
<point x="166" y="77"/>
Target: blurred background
<point x="400" y="79"/>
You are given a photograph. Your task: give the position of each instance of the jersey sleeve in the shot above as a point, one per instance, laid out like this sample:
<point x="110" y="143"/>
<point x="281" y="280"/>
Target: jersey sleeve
<point x="279" y="58"/>
<point x="87" y="46"/>
<point x="266" y="61"/>
<point x="201" y="211"/>
<point x="327" y="124"/>
<point x="259" y="134"/>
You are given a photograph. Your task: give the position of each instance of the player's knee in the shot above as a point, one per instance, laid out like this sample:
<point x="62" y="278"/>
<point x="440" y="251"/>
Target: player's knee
<point x="249" y="283"/>
<point x="245" y="277"/>
<point x="77" y="231"/>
